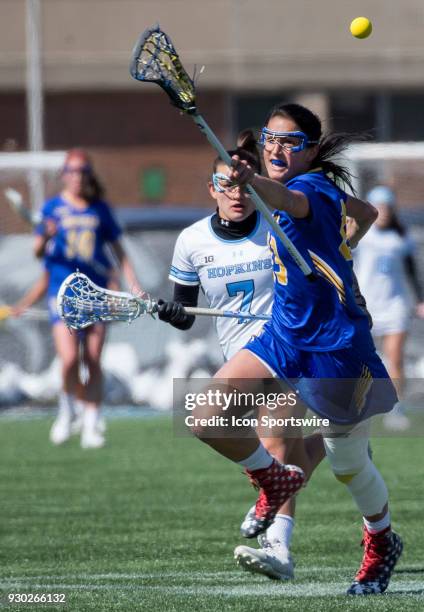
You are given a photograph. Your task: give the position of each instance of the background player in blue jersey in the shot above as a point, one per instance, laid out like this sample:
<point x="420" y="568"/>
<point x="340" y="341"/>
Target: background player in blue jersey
<point x="318" y="337"/>
<point x="76" y="227"/>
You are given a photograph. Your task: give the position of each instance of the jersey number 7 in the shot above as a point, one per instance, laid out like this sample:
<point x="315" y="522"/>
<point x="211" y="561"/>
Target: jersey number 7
<point x="247" y="288"/>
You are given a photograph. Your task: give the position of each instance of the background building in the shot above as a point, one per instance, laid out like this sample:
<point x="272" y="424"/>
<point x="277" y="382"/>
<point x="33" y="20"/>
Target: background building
<point x="255" y="54"/>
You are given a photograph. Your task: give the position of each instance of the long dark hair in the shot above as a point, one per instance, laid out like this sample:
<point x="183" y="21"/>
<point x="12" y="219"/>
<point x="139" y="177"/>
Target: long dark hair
<point x="246" y="149"/>
<point x="396" y="224"/>
<point x="329" y="145"/>
<point x="91" y="187"/>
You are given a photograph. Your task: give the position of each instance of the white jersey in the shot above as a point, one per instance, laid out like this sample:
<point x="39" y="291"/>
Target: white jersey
<point x="380" y="268"/>
<point x="233" y="275"/>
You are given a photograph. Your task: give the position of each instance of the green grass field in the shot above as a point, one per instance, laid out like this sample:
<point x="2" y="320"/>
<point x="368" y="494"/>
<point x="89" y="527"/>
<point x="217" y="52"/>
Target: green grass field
<point x="151" y="521"/>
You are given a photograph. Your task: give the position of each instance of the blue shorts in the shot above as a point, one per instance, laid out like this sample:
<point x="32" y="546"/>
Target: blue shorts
<point x="55" y="318"/>
<point x="346" y="386"/>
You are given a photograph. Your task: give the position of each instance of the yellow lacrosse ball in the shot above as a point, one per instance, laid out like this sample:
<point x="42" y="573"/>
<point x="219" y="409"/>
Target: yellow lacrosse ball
<point x="361" y="27"/>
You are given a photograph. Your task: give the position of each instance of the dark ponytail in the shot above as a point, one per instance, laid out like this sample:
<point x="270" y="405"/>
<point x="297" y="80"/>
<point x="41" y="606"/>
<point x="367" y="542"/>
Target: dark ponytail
<point x="330" y="146"/>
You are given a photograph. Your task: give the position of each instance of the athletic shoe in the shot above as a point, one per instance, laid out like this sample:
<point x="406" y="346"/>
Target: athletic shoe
<point x="92" y="439"/>
<point x="248" y="520"/>
<point x="101" y="425"/>
<point x="60" y="431"/>
<point x="381" y="553"/>
<point x="77" y="423"/>
<point x="273" y="559"/>
<point x="276" y="483"/>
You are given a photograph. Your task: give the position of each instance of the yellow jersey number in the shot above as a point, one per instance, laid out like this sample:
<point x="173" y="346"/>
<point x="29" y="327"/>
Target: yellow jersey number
<point x="344" y="247"/>
<point x="80" y="244"/>
<point x="280" y="274"/>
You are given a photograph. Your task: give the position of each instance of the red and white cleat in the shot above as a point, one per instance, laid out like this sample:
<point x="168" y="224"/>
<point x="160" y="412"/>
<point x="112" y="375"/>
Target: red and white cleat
<point x="276" y="483"/>
<point x="381" y="553"/>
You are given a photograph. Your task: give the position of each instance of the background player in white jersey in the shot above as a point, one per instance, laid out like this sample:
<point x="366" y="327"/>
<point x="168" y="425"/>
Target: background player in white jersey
<point x="226" y="255"/>
<point x="384" y="263"/>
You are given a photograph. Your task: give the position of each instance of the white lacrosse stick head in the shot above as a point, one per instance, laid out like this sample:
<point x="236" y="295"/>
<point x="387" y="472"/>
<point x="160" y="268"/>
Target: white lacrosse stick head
<point x="81" y="303"/>
<point x="16" y="201"/>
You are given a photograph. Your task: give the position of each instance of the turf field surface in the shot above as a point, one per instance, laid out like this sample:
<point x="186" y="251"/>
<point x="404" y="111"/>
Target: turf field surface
<point x="150" y="523"/>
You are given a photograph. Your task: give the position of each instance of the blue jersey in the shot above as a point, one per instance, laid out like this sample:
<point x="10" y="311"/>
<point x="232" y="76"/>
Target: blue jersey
<point x="320" y="315"/>
<point x="80" y="241"/>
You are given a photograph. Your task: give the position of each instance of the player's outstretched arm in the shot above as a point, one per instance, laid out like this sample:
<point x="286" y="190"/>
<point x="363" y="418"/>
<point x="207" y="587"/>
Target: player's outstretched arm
<point x="32" y="296"/>
<point x="126" y="267"/>
<point x="277" y="196"/>
<point x="363" y="214"/>
<point x="273" y="193"/>
<point x="41" y="239"/>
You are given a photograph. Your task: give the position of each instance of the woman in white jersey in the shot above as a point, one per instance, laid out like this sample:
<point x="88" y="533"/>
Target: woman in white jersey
<point x="384" y="264"/>
<point x="226" y="255"/>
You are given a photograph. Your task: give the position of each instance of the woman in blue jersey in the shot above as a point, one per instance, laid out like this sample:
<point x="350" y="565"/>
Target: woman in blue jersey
<point x="226" y="255"/>
<point x="318" y="340"/>
<point x="75" y="229"/>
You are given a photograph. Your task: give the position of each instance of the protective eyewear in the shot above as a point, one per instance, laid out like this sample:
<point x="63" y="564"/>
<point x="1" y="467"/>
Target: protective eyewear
<point x="288" y="141"/>
<point x="86" y="169"/>
<point x="222" y="183"/>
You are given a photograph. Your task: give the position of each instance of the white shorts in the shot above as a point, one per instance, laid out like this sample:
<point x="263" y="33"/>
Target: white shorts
<point x="393" y="319"/>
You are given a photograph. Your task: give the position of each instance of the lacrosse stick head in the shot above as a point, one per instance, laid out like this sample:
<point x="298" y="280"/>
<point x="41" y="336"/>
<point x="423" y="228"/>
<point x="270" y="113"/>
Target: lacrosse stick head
<point x="16" y="202"/>
<point x="81" y="303"/>
<point x="155" y="60"/>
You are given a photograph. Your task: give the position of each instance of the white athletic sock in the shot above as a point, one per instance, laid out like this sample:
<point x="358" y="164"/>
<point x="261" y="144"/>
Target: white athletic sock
<point x="281" y="530"/>
<point x="375" y="527"/>
<point x="66" y="404"/>
<point x="90" y="419"/>
<point x="258" y="460"/>
<point x="79" y="407"/>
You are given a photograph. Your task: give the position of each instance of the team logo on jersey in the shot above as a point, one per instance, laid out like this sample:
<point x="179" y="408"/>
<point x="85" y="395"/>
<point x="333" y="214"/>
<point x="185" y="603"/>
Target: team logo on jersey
<point x="205" y="259"/>
<point x="256" y="265"/>
<point x="60" y="211"/>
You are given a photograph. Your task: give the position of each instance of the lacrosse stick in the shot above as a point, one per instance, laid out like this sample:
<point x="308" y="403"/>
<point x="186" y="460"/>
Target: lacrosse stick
<point x="16" y="202"/>
<point x="81" y="303"/>
<point x="229" y="314"/>
<point x="155" y="60"/>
